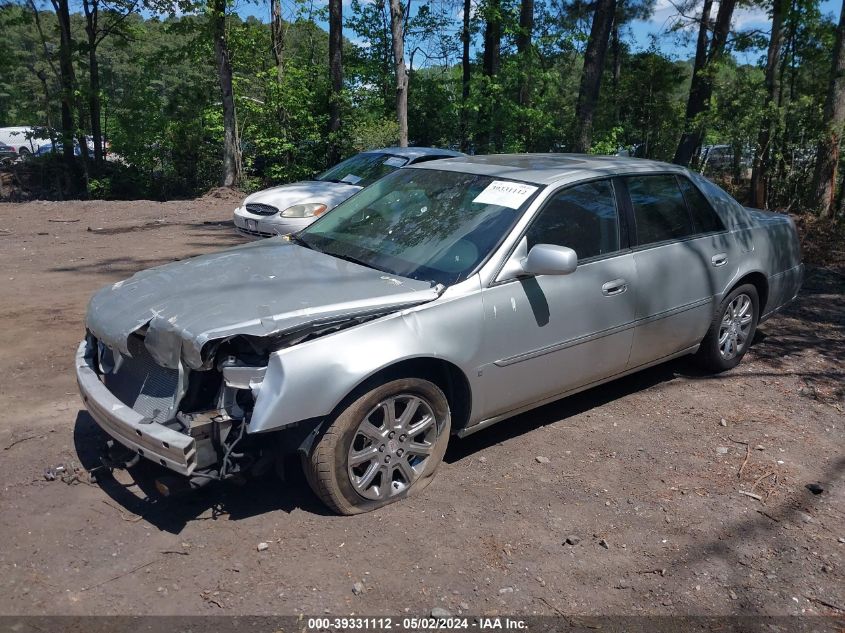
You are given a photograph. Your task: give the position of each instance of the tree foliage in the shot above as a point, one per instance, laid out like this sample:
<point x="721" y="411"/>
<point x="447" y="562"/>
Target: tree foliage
<point x="162" y="120"/>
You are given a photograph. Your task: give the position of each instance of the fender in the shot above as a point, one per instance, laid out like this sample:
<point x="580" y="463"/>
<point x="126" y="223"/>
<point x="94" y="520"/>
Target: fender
<point x="309" y="380"/>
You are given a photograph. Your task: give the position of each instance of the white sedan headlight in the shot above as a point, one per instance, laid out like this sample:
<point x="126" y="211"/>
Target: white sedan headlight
<point x="307" y="210"/>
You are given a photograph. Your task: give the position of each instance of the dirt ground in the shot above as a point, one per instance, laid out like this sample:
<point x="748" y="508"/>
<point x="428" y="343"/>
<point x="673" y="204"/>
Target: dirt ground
<point x="644" y="475"/>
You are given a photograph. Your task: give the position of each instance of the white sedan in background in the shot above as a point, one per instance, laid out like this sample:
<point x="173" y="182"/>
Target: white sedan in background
<point x="24" y="139"/>
<point x="289" y="208"/>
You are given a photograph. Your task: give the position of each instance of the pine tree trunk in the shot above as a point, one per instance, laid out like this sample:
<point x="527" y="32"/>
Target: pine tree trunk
<point x="523" y="49"/>
<point x="490" y="68"/>
<point x="466" y="70"/>
<point x="94" y="105"/>
<point x="523" y="46"/>
<point x="224" y="75"/>
<point x="92" y="9"/>
<point x="616" y="60"/>
<point x="336" y="77"/>
<point x="759" y="170"/>
<point x="66" y="78"/>
<point x="48" y="100"/>
<point x="702" y="85"/>
<point x="492" y="39"/>
<point x="277" y="38"/>
<point x="588" y="94"/>
<point x="397" y="28"/>
<point x="827" y="156"/>
<point x="42" y="76"/>
<point x="689" y="139"/>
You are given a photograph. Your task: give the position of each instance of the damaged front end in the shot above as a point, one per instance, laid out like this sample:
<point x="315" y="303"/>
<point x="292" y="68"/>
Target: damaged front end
<point x="195" y="422"/>
<point x="191" y="422"/>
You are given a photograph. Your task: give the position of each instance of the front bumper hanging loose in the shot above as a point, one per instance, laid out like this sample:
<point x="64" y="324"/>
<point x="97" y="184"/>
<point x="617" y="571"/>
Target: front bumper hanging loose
<point x="151" y="440"/>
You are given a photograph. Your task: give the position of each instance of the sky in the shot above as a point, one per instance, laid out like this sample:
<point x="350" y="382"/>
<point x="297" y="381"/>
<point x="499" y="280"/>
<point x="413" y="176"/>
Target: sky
<point x="639" y="33"/>
<point x="665" y="15"/>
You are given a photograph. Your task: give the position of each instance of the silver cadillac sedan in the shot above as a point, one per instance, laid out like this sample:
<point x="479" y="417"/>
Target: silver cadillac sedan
<point x="442" y="299"/>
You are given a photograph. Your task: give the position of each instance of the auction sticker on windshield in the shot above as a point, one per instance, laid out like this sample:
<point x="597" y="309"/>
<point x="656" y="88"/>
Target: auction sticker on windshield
<point x="505" y="194"/>
<point x="393" y="161"/>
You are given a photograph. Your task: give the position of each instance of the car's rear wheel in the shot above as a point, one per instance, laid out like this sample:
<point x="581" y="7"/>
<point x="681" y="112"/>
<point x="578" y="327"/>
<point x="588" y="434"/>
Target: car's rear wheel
<point x="731" y="330"/>
<point x="383" y="447"/>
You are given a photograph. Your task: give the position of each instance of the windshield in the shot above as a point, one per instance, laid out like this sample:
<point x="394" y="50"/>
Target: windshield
<point x="363" y="169"/>
<point x="425" y="224"/>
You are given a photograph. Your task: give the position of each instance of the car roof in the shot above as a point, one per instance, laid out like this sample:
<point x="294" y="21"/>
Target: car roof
<point x="544" y="169"/>
<point x="414" y="152"/>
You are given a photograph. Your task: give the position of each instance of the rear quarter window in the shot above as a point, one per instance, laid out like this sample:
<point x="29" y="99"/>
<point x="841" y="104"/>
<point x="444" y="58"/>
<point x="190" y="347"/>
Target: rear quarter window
<point x="731" y="212"/>
<point x="704" y="218"/>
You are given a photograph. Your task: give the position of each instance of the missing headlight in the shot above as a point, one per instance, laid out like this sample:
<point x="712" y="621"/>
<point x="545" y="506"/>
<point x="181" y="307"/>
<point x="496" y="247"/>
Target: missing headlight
<point x="241" y="384"/>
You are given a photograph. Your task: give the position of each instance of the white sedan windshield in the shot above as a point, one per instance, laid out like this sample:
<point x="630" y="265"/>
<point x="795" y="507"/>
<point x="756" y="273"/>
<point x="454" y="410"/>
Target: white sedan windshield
<point x="363" y="169"/>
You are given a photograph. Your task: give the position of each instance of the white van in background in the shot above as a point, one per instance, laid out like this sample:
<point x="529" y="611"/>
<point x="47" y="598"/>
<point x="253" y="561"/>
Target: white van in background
<point x="23" y="139"/>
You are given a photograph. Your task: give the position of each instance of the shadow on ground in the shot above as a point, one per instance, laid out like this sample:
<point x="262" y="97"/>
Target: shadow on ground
<point x="204" y="237"/>
<point x="816" y="320"/>
<point x="218" y="500"/>
<point x="773" y="525"/>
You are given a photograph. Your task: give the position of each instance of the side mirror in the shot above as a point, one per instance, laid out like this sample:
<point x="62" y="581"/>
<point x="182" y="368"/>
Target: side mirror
<point x="548" y="259"/>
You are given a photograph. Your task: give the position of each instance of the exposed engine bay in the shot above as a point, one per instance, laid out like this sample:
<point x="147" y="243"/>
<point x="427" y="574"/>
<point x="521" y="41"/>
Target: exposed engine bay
<point x="211" y="406"/>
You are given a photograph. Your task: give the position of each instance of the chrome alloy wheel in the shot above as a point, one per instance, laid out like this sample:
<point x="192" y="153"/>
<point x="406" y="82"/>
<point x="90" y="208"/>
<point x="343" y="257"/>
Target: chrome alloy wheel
<point x="391" y="446"/>
<point x="735" y="326"/>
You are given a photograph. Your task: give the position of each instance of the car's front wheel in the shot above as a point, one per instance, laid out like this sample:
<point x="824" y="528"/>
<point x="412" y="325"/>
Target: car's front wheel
<point x="384" y="446"/>
<point x="732" y="330"/>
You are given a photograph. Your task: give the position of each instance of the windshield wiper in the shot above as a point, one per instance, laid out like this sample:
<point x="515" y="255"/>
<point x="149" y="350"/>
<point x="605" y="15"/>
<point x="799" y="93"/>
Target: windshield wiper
<point x="349" y="258"/>
<point x="293" y="237"/>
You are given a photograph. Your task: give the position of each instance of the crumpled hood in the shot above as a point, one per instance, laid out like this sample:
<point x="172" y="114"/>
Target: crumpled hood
<point x="330" y="194"/>
<point x="263" y="288"/>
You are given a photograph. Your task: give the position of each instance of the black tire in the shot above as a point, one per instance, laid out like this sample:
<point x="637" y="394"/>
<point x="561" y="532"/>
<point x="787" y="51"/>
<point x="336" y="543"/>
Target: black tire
<point x="327" y="467"/>
<point x="710" y="354"/>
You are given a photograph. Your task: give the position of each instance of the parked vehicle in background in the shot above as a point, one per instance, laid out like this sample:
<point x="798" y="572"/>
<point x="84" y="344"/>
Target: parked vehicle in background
<point x="289" y="208"/>
<point x="47" y="147"/>
<point x="720" y="158"/>
<point x="637" y="150"/>
<point x="23" y="139"/>
<point x="716" y="157"/>
<point x="441" y="299"/>
<point x="7" y="154"/>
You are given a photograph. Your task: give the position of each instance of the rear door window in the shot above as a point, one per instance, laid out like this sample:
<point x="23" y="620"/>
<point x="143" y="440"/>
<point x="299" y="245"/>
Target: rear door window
<point x="660" y="211"/>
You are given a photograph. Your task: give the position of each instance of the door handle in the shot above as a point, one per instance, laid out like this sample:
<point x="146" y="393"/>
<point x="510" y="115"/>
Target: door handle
<point x="614" y="287"/>
<point x="719" y="259"/>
